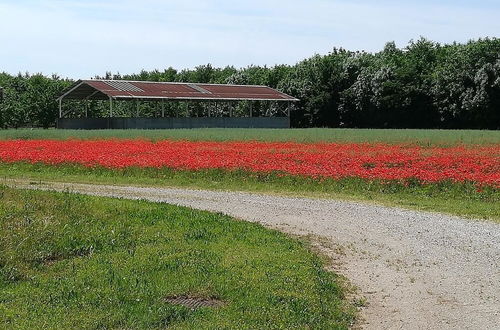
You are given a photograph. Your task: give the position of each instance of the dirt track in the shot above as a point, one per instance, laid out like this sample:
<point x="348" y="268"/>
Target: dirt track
<point x="417" y="270"/>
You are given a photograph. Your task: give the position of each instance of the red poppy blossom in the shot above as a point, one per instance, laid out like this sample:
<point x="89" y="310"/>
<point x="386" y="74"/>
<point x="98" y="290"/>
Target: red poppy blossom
<point x="477" y="164"/>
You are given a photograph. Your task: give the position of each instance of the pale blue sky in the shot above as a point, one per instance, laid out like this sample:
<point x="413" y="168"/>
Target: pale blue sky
<point x="80" y="39"/>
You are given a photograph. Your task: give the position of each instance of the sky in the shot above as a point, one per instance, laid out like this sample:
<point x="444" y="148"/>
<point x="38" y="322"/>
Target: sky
<point x="81" y="39"/>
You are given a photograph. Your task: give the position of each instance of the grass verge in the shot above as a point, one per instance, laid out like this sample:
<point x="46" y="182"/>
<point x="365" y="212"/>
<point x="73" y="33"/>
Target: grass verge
<point x="452" y="198"/>
<point x="72" y="261"/>
<point x="423" y="137"/>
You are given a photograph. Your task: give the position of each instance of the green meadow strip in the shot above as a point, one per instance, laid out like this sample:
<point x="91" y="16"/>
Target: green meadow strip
<point x="421" y="137"/>
<point x="463" y="199"/>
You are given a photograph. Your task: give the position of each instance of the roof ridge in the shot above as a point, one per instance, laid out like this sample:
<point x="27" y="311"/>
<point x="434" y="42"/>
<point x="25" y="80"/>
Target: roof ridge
<point x="174" y="82"/>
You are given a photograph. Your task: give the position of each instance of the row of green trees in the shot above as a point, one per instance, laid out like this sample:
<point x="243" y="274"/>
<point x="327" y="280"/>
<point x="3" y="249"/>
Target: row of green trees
<point x="424" y="85"/>
<point x="30" y="100"/>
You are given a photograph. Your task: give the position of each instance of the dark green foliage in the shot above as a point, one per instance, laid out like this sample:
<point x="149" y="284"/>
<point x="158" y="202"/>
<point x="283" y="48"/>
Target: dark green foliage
<point x="30" y="100"/>
<point x="424" y="85"/>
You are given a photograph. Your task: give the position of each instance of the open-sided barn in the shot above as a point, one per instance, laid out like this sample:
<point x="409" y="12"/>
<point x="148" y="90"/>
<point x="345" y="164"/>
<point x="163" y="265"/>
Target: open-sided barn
<point x="213" y="95"/>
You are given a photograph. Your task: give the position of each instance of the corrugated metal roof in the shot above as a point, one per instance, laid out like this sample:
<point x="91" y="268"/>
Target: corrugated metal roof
<point x="123" y="89"/>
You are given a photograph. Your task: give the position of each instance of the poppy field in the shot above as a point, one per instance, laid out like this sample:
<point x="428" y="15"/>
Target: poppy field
<point x="479" y="165"/>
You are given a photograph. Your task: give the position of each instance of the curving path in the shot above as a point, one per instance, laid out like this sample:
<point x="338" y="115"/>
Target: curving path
<point x="417" y="270"/>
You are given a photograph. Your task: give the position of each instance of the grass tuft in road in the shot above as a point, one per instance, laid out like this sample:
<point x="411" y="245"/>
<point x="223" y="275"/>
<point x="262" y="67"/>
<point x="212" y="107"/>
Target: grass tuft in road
<point x="73" y="261"/>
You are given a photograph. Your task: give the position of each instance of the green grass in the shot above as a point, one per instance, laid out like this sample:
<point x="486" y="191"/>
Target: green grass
<point x="70" y="261"/>
<point x="421" y="137"/>
<point x="452" y="198"/>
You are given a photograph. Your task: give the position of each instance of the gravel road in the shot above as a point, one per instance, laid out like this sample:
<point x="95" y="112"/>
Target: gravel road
<point x="417" y="270"/>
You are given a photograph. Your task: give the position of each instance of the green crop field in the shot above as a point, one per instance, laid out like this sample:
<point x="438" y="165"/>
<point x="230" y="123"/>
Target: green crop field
<point x="71" y="261"/>
<point x="421" y="137"/>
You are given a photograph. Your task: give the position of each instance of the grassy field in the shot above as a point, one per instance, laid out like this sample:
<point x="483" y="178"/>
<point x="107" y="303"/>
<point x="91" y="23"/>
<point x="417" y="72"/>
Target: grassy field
<point x="421" y="137"/>
<point x="457" y="199"/>
<point x="72" y="261"/>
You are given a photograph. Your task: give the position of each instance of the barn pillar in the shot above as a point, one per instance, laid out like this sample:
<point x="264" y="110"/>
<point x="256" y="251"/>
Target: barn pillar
<point x="110" y="107"/>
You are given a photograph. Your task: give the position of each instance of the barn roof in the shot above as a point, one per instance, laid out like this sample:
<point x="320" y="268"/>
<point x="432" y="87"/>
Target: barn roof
<point x="124" y="89"/>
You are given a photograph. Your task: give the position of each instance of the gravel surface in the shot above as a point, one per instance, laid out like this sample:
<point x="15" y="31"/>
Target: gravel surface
<point x="417" y="270"/>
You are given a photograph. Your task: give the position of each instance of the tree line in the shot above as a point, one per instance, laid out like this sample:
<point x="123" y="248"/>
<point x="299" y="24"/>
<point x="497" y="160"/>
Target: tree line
<point x="423" y="85"/>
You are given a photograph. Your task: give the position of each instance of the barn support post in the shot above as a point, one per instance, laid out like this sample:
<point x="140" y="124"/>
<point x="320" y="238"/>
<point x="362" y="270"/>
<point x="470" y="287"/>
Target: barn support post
<point x="110" y="107"/>
<point x="231" y="109"/>
<point x="162" y="108"/>
<point x="60" y="107"/>
<point x="251" y="108"/>
<point x="137" y="108"/>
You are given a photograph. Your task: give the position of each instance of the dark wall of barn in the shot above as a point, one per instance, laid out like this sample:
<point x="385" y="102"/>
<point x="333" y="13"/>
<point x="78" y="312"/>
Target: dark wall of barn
<point x="170" y="123"/>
